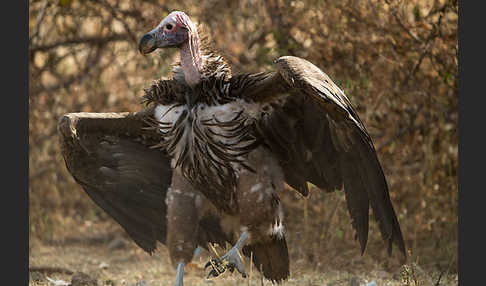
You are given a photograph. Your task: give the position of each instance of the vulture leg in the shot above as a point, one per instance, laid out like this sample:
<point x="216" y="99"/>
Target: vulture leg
<point x="261" y="218"/>
<point x="179" y="275"/>
<point x="182" y="224"/>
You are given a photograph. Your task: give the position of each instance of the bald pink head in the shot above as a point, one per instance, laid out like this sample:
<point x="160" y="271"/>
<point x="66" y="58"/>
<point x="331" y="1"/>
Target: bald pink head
<point x="173" y="31"/>
<point x="177" y="30"/>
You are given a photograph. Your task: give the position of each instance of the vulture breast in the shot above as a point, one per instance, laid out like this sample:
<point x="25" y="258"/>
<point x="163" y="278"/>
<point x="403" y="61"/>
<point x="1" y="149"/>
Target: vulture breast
<point x="209" y="143"/>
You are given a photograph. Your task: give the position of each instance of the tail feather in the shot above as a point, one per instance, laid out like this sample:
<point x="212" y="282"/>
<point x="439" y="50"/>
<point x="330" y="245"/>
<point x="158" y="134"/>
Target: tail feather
<point x="271" y="258"/>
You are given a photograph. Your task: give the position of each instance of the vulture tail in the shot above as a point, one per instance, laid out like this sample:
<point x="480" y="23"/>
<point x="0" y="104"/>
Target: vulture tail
<point x="271" y="258"/>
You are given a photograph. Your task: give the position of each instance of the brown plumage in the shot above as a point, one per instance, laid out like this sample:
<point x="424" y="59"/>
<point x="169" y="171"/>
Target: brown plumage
<point x="218" y="148"/>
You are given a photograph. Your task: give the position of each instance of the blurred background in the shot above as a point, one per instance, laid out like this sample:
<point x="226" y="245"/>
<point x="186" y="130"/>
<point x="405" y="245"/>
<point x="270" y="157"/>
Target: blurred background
<point x="397" y="61"/>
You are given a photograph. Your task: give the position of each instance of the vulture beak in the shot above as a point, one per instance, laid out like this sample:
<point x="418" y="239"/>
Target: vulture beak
<point x="147" y="44"/>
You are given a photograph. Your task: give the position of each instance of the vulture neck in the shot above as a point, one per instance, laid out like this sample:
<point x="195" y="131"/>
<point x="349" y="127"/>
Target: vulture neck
<point x="191" y="60"/>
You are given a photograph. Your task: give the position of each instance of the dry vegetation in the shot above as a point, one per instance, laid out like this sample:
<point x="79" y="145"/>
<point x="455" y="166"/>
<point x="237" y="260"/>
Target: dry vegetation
<point x="396" y="60"/>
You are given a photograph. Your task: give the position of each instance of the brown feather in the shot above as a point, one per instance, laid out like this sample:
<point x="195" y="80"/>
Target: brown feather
<point x="271" y="258"/>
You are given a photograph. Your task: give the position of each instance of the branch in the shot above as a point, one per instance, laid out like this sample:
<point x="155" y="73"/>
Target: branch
<point x="400" y="133"/>
<point x="114" y="12"/>
<point x="90" y="62"/>
<point x="415" y="68"/>
<point x="39" y="19"/>
<point x="91" y="40"/>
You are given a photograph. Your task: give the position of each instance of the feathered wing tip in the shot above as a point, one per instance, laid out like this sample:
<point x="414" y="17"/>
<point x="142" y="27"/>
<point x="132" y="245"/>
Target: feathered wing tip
<point x="144" y="232"/>
<point x="270" y="258"/>
<point x="365" y="185"/>
<point x="382" y="207"/>
<point x="397" y="238"/>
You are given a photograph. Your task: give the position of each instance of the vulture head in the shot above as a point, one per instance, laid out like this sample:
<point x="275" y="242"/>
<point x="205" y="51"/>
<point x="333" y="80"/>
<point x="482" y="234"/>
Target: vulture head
<point x="176" y="31"/>
<point x="173" y="31"/>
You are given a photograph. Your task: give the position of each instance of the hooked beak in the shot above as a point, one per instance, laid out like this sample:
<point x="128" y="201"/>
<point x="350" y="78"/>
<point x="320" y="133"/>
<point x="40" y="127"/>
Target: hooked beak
<point x="147" y="44"/>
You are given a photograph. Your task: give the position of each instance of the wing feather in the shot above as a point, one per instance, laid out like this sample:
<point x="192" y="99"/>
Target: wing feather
<point x="109" y="156"/>
<point x="325" y="143"/>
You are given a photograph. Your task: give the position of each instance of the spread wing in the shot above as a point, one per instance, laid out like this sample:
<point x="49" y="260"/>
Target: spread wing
<point x="317" y="136"/>
<point x="108" y="155"/>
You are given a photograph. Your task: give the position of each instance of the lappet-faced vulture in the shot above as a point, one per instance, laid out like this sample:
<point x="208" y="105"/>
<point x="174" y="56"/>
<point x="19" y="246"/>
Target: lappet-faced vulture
<point x="206" y="160"/>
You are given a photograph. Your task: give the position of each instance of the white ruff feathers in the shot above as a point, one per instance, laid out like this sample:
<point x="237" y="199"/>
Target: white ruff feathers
<point x="199" y="116"/>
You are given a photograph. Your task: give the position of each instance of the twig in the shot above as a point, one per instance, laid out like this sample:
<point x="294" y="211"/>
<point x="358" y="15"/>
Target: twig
<point x="412" y="35"/>
<point x="211" y="246"/>
<point x="251" y="268"/>
<point x="446" y="271"/>
<point x="114" y="12"/>
<point x="88" y="68"/>
<point x="400" y="133"/>
<point x="405" y="130"/>
<point x="329" y="220"/>
<point x="425" y="51"/>
<point x="39" y="19"/>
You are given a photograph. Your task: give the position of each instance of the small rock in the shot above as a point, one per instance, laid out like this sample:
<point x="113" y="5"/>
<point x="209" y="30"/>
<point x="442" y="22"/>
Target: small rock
<point x="103" y="265"/>
<point x="372" y="283"/>
<point x="83" y="279"/>
<point x="57" y="282"/>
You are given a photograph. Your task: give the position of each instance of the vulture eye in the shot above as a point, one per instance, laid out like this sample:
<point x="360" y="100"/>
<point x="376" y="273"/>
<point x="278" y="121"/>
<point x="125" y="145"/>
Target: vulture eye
<point x="168" y="26"/>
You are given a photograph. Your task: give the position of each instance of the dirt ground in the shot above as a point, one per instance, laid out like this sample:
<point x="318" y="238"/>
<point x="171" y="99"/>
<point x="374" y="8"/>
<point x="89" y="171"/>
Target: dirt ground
<point x="100" y="253"/>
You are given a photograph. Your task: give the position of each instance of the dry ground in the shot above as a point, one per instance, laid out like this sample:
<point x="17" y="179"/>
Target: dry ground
<point x="104" y="252"/>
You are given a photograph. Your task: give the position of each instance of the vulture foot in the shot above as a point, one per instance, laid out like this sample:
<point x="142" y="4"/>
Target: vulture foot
<point x="231" y="260"/>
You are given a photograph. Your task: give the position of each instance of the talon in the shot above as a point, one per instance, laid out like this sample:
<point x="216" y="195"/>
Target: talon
<point x="231" y="260"/>
<point x="212" y="273"/>
<point x="218" y="267"/>
<point x="207" y="265"/>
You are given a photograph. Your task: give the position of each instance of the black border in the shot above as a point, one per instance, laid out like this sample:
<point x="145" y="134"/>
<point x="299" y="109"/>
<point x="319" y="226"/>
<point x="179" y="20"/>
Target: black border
<point x="472" y="142"/>
<point x="15" y="143"/>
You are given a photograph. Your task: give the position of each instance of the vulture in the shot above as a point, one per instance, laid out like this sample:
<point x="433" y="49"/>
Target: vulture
<point x="205" y="159"/>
